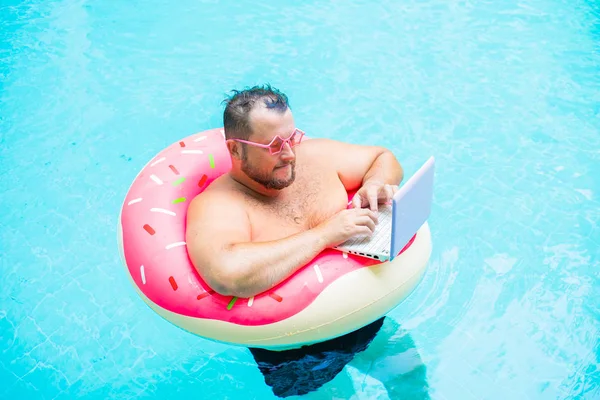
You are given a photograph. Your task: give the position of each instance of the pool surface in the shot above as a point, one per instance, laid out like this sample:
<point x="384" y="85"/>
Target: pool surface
<point x="505" y="95"/>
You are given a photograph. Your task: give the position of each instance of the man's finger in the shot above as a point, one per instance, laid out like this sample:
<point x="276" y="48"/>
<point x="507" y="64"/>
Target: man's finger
<point x="389" y="193"/>
<point x="356" y="203"/>
<point x="373" y="194"/>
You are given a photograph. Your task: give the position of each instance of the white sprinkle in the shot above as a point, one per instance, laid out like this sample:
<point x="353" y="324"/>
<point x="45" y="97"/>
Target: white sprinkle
<point x="345" y="255"/>
<point x="250" y="301"/>
<point x="192" y="152"/>
<point x="158" y="161"/>
<point x="201" y="138"/>
<point x="134" y="201"/>
<point x="143" y="275"/>
<point x="162" y="210"/>
<point x="177" y="244"/>
<point x="156" y="179"/>
<point x="318" y="271"/>
<point x="223" y="132"/>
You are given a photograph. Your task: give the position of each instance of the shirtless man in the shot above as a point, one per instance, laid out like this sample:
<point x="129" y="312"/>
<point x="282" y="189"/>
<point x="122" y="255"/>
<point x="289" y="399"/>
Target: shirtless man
<point x="281" y="204"/>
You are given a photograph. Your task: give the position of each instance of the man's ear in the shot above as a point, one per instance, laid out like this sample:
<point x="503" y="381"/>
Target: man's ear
<point x="234" y="148"/>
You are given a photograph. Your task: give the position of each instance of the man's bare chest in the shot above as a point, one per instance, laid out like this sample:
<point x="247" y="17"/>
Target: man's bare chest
<point x="308" y="203"/>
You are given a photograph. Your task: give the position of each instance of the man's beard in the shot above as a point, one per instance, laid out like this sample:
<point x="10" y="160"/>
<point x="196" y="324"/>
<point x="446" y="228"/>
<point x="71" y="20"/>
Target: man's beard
<point x="266" y="178"/>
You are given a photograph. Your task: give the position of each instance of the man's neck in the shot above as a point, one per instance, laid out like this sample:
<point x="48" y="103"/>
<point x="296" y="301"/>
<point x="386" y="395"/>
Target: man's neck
<point x="252" y="187"/>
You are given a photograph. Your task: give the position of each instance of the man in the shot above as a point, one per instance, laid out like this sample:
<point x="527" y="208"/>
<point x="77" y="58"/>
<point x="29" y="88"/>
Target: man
<point x="282" y="203"/>
<point x="284" y="200"/>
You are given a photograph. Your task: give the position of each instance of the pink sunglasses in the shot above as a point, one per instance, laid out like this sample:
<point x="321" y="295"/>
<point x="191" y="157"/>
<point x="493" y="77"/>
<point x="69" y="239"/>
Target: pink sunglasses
<point x="277" y="143"/>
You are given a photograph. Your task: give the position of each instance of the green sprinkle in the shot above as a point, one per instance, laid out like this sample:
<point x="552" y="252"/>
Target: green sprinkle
<point x="178" y="181"/>
<point x="231" y="303"/>
<point x="179" y="200"/>
<point x="211" y="160"/>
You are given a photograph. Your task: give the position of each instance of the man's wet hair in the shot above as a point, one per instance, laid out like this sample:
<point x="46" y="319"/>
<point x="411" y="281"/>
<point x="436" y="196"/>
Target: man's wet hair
<point x="236" y="121"/>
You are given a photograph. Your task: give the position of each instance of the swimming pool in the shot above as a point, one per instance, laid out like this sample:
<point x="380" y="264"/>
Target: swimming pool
<point x="504" y="94"/>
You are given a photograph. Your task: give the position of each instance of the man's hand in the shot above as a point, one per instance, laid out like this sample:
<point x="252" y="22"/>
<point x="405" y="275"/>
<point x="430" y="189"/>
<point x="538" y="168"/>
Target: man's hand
<point x="373" y="193"/>
<point x="347" y="224"/>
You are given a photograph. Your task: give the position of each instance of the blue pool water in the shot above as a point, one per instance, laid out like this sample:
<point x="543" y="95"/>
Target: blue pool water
<point x="505" y="95"/>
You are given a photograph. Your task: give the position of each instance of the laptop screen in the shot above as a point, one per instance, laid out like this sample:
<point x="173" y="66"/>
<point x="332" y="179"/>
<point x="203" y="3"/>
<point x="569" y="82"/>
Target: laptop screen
<point x="412" y="206"/>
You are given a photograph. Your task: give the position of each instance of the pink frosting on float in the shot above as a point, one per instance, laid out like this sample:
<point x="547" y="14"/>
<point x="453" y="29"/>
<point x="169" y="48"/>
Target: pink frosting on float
<point x="153" y="223"/>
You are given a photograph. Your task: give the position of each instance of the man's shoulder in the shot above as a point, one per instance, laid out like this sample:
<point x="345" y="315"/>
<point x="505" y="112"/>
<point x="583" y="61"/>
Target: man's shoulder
<point x="217" y="195"/>
<point x="323" y="153"/>
<point x="318" y="142"/>
<point x="316" y="148"/>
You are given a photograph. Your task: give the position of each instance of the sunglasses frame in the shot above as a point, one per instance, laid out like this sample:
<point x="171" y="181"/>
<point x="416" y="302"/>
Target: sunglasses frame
<point x="283" y="141"/>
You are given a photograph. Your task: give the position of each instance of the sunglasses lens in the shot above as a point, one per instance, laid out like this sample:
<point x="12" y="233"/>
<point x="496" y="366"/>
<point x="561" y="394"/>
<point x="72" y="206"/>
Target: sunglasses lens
<point x="295" y="138"/>
<point x="277" y="144"/>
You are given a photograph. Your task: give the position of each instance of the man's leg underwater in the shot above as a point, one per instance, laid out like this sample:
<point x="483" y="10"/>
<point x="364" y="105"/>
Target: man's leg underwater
<point x="303" y="370"/>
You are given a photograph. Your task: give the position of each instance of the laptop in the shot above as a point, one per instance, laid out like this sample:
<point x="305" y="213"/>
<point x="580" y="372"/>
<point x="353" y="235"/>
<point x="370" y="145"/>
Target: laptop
<point x="398" y="222"/>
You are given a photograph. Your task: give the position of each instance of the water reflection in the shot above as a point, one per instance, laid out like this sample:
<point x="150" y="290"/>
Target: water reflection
<point x="382" y="351"/>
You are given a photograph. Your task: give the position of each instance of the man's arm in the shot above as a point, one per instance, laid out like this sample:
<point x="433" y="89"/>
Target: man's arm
<point x="358" y="164"/>
<point x="362" y="167"/>
<point x="219" y="243"/>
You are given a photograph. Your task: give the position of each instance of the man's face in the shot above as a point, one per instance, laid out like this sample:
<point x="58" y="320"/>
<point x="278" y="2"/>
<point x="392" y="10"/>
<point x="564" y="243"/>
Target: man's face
<point x="276" y="171"/>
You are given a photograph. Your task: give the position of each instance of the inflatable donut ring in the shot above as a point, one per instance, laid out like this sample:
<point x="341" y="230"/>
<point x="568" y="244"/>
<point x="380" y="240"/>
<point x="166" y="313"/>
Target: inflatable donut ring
<point x="334" y="294"/>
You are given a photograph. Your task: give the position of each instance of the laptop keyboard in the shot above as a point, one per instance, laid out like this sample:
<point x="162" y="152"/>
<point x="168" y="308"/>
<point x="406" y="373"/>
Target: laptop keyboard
<point x="380" y="241"/>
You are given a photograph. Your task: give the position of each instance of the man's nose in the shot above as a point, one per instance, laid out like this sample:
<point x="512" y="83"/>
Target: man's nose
<point x="287" y="153"/>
